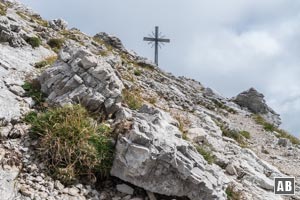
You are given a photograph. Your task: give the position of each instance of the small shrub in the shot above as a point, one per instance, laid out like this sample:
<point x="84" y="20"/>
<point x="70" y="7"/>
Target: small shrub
<point x="207" y="154"/>
<point x="56" y="43"/>
<point x="232" y="194"/>
<point x="32" y="90"/>
<point x="70" y="144"/>
<point x="34" y="41"/>
<point x="132" y="99"/>
<point x="137" y="72"/>
<point x="3" y="9"/>
<point x="48" y="61"/>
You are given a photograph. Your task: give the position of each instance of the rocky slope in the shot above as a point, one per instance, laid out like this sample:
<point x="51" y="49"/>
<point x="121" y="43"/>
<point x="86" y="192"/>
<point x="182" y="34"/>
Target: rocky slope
<point x="175" y="138"/>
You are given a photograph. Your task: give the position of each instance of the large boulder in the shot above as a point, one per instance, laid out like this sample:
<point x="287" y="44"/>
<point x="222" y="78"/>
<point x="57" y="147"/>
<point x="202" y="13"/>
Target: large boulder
<point x="152" y="155"/>
<point x="58" y="24"/>
<point x="111" y="40"/>
<point x="80" y="77"/>
<point x="255" y="102"/>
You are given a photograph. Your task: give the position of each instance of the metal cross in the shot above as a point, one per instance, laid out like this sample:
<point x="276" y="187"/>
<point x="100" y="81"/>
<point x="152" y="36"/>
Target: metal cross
<point x="156" y="38"/>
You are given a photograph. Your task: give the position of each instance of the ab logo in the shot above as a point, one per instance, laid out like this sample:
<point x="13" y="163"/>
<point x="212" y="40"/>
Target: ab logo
<point x="284" y="186"/>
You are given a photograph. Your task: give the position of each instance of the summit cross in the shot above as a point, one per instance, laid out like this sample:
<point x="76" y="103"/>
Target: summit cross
<point x="156" y="39"/>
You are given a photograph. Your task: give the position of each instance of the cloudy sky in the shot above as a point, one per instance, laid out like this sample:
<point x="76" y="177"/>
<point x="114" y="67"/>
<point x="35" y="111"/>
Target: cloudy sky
<point x="227" y="45"/>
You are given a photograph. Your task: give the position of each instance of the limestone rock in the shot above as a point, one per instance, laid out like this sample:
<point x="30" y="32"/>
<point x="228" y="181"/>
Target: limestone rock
<point x="255" y="102"/>
<point x="111" y="40"/>
<point x="152" y="156"/>
<point x="79" y="76"/>
<point x="58" y="24"/>
<point x="126" y="189"/>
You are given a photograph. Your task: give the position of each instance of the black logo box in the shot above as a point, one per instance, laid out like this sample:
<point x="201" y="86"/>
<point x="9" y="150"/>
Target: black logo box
<point x="282" y="184"/>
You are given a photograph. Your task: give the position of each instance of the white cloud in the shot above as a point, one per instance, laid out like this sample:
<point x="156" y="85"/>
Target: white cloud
<point x="228" y="45"/>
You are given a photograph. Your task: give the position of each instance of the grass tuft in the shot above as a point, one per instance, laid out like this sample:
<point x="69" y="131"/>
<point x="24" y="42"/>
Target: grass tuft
<point x="34" y="41"/>
<point x="56" y="44"/>
<point x="232" y="194"/>
<point x="271" y="128"/>
<point x="32" y="90"/>
<point x="239" y="136"/>
<point x="3" y="9"/>
<point x="70" y="144"/>
<point x="207" y="154"/>
<point x="137" y="72"/>
<point x="133" y="99"/>
<point x="47" y="61"/>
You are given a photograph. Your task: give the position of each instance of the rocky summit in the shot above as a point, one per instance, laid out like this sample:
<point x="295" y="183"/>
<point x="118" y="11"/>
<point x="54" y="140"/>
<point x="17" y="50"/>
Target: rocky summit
<point x="140" y="133"/>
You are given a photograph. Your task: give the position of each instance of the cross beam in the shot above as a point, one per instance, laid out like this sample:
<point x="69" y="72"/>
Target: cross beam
<point x="156" y="40"/>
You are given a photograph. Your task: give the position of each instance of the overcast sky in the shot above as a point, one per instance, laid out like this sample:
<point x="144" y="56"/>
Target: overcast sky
<point x="229" y="45"/>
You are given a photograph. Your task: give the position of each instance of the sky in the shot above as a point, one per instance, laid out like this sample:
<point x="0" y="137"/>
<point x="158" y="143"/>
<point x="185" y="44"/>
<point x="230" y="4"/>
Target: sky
<point x="229" y="45"/>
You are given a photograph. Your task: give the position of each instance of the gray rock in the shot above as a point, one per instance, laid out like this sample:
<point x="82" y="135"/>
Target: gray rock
<point x="151" y="150"/>
<point x="255" y="102"/>
<point x="284" y="142"/>
<point x="7" y="183"/>
<point x="126" y="189"/>
<point x="58" y="24"/>
<point x="82" y="77"/>
<point x="58" y="185"/>
<point x="111" y="40"/>
<point x="230" y="169"/>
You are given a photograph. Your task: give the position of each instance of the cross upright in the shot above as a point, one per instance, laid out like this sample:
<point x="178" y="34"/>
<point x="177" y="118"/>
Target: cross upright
<point x="156" y="39"/>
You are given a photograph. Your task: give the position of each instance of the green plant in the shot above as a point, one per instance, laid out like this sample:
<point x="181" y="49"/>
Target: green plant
<point x="47" y="61"/>
<point x="132" y="99"/>
<point x="152" y="100"/>
<point x="246" y="134"/>
<point x="207" y="154"/>
<point x="32" y="90"/>
<point x="271" y="128"/>
<point x="3" y="9"/>
<point x="34" y="41"/>
<point x="137" y="72"/>
<point x="232" y="194"/>
<point x="239" y="136"/>
<point x="56" y="43"/>
<point x="70" y="144"/>
<point x="284" y="134"/>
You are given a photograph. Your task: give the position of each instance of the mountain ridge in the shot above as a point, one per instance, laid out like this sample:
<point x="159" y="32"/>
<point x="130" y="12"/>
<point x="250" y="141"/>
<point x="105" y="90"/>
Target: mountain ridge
<point x="204" y="146"/>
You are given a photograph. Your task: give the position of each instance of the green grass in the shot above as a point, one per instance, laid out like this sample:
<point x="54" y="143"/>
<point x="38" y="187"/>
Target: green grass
<point x="239" y="136"/>
<point x="56" y="43"/>
<point x="32" y="90"/>
<point x="3" y="9"/>
<point x="207" y="154"/>
<point x="232" y="194"/>
<point x="47" y="61"/>
<point x="271" y="128"/>
<point x="34" y="41"/>
<point x="137" y="72"/>
<point x="70" y="144"/>
<point x="221" y="105"/>
<point x="245" y="134"/>
<point x="133" y="99"/>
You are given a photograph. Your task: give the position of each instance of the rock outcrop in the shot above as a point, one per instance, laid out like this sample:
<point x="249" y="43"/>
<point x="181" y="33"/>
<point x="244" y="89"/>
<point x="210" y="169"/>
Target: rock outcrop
<point x="255" y="102"/>
<point x="152" y="155"/>
<point x="185" y="142"/>
<point x="80" y="77"/>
